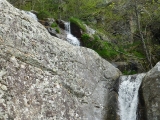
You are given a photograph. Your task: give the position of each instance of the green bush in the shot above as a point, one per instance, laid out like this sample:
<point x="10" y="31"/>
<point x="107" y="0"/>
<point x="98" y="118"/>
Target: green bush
<point x="57" y="30"/>
<point x="96" y="37"/>
<point x="90" y="42"/>
<point x="85" y="37"/>
<point x="106" y="51"/>
<point x="43" y="14"/>
<point x="101" y="47"/>
<point x="53" y="25"/>
<point x="78" y="23"/>
<point x="139" y="54"/>
<point x="86" y="40"/>
<point x="131" y="72"/>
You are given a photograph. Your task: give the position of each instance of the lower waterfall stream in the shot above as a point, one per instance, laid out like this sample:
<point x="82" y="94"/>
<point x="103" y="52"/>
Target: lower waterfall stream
<point x="128" y="96"/>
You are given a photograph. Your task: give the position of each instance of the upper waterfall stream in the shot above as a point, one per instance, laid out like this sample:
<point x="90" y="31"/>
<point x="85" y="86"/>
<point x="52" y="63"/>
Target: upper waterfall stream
<point x="32" y="15"/>
<point x="70" y="38"/>
<point x="128" y="96"/>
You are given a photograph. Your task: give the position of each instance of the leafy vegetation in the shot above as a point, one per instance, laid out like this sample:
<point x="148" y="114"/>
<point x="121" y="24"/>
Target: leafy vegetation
<point x="101" y="47"/>
<point x="129" y="72"/>
<point x="57" y="30"/>
<point x="54" y="25"/>
<point x="43" y="14"/>
<point x="130" y="25"/>
<point x="78" y="23"/>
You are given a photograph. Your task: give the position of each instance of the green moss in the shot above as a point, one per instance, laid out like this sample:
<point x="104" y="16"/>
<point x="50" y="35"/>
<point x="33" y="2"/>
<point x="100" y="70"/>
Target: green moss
<point x="43" y="14"/>
<point x="78" y="23"/>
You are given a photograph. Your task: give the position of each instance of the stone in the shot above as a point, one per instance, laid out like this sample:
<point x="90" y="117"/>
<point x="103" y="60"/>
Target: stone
<point x="62" y="35"/>
<point x="45" y="23"/>
<point x="50" y="21"/>
<point x="129" y="67"/>
<point x="52" y="31"/>
<point x="3" y="87"/>
<point x="61" y="24"/>
<point x="47" y="78"/>
<point x="151" y="93"/>
<point x="76" y="30"/>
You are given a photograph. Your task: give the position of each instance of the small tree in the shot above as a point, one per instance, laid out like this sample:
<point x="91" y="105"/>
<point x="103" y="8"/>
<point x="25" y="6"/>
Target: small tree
<point x="146" y="50"/>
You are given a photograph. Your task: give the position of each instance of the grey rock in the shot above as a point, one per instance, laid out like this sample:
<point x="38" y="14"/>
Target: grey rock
<point x="52" y="31"/>
<point x="129" y="67"/>
<point x="50" y="21"/>
<point x="151" y="93"/>
<point x="62" y="35"/>
<point x="61" y="24"/>
<point x="46" y="78"/>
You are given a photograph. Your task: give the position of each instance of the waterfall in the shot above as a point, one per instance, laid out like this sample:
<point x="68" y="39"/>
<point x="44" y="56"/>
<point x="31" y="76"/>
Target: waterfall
<point x="128" y="96"/>
<point x="31" y="15"/>
<point x="70" y="38"/>
<point x="67" y="27"/>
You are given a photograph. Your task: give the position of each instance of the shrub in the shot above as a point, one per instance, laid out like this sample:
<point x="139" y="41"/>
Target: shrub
<point x="43" y="14"/>
<point x="139" y="54"/>
<point x="131" y="72"/>
<point x="106" y="51"/>
<point x="96" y="37"/>
<point x="89" y="41"/>
<point x="86" y="40"/>
<point x="85" y="37"/>
<point x="57" y="30"/>
<point x="101" y="47"/>
<point x="54" y="25"/>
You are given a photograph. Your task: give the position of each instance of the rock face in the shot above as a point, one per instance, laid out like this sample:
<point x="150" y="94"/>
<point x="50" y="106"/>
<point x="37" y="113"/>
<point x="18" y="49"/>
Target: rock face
<point x="151" y="93"/>
<point x="46" y="78"/>
<point x="128" y="67"/>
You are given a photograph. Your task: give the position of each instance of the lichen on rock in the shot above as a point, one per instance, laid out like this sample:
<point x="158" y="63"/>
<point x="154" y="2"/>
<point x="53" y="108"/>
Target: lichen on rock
<point x="151" y="93"/>
<point x="43" y="77"/>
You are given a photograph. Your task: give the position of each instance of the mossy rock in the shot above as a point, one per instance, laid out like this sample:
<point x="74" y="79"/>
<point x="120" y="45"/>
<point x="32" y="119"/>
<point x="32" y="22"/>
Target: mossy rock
<point x="78" y="23"/>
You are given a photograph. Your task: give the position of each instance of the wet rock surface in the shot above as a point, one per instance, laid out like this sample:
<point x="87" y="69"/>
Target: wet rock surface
<point x="46" y="78"/>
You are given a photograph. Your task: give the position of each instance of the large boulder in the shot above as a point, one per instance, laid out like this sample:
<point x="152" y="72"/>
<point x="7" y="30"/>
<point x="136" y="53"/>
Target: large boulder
<point x="151" y="93"/>
<point x="46" y="78"/>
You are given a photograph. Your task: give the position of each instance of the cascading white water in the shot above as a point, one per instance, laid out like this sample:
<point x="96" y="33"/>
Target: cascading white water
<point x="70" y="38"/>
<point x="67" y="27"/>
<point x="32" y="15"/>
<point x="128" y="96"/>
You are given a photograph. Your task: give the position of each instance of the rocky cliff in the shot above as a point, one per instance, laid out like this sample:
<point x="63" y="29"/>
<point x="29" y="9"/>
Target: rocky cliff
<point x="46" y="78"/>
<point x="150" y="91"/>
